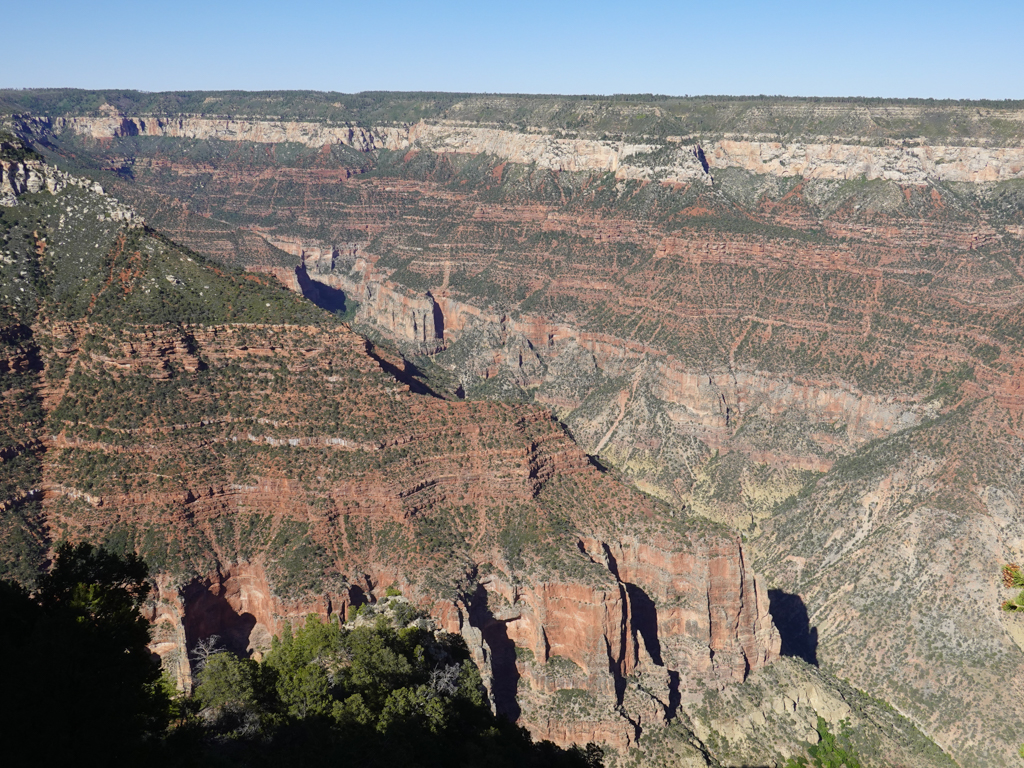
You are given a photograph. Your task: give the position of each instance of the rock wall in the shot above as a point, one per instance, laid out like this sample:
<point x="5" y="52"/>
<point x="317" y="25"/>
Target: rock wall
<point x="587" y="626"/>
<point x="677" y="621"/>
<point x="30" y="176"/>
<point x="530" y="346"/>
<point x="19" y="177"/>
<point x="675" y="160"/>
<point x="257" y="131"/>
<point x="235" y="603"/>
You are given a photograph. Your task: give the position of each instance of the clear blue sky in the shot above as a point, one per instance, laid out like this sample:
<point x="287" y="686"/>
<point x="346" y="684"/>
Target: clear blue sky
<point x="939" y="49"/>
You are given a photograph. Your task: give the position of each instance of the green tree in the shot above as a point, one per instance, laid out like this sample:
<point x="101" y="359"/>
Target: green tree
<point x="237" y="694"/>
<point x="371" y="695"/>
<point x="78" y="667"/>
<point x="227" y="682"/>
<point x="306" y="664"/>
<point x="830" y="751"/>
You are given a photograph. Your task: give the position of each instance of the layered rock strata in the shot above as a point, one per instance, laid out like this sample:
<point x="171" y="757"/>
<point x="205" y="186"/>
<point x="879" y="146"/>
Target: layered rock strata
<point x="815" y="339"/>
<point x="268" y="469"/>
<point x="673" y="160"/>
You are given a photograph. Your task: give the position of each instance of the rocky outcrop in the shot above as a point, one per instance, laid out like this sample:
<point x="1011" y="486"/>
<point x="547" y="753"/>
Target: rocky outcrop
<point x="235" y="603"/>
<point x="417" y="318"/>
<point x="17" y="178"/>
<point x="540" y="148"/>
<point x="552" y="645"/>
<point x="257" y="131"/>
<point x="672" y="161"/>
<point x="677" y="621"/>
<point x="903" y="164"/>
<point x="30" y="176"/>
<point x="582" y="613"/>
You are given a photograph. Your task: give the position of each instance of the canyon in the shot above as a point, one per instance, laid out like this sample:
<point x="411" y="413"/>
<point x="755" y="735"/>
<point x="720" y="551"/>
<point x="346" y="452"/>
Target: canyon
<point x="192" y="440"/>
<point x="798" y="321"/>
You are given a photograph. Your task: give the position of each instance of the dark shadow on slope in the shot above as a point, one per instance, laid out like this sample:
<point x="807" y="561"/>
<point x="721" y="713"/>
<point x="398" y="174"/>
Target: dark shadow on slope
<point x="645" y="619"/>
<point x="505" y="682"/>
<point x="209" y="614"/>
<point x="438" y="317"/>
<point x="356" y="598"/>
<point x="799" y="638"/>
<point x="674" y="695"/>
<point x="407" y="373"/>
<point x="502" y="650"/>
<point x="698" y="152"/>
<point x="438" y="322"/>
<point x="324" y="296"/>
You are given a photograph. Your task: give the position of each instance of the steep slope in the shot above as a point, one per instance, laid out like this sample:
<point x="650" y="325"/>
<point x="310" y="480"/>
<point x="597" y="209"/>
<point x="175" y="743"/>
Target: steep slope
<point x="731" y="320"/>
<point x="254" y="451"/>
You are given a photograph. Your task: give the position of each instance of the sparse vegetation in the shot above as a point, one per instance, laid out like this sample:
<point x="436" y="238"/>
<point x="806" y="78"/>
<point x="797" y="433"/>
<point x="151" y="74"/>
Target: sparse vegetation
<point x="824" y="364"/>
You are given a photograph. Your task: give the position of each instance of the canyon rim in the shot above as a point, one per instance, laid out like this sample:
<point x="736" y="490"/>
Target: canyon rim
<point x="696" y="418"/>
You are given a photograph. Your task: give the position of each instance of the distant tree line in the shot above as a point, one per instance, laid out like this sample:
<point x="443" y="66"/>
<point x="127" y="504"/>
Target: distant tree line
<point x="370" y="105"/>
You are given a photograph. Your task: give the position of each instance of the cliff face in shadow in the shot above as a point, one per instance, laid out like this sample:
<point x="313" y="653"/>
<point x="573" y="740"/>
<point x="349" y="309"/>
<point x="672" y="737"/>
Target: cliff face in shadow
<point x="798" y="638"/>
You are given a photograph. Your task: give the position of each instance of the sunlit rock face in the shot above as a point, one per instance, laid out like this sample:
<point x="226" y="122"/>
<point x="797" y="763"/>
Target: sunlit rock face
<point x="798" y="319"/>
